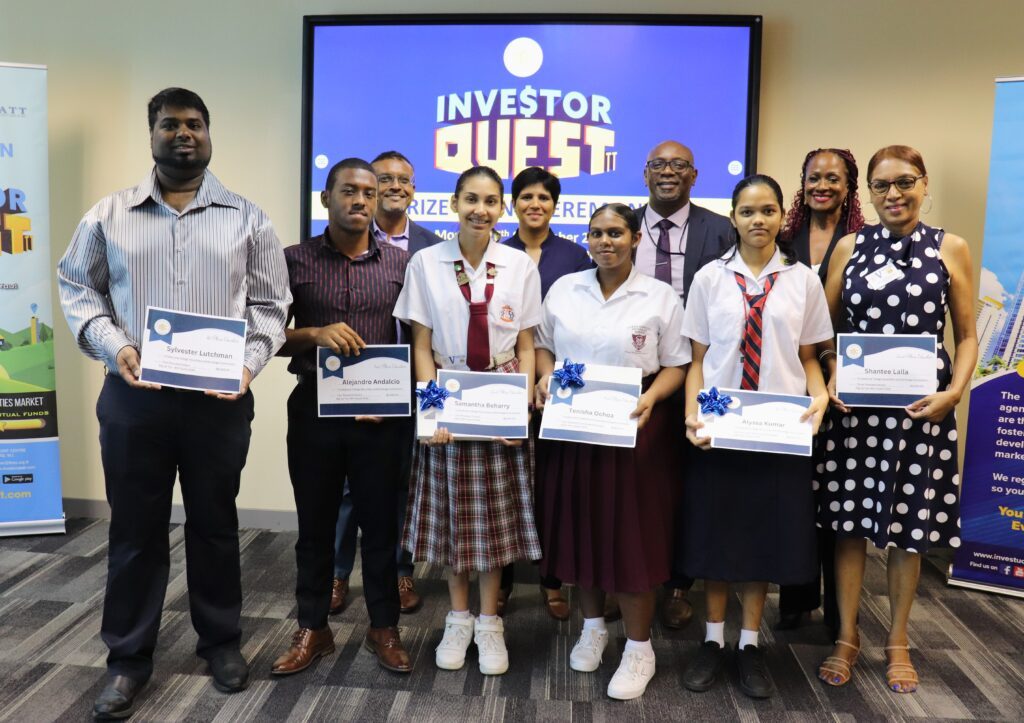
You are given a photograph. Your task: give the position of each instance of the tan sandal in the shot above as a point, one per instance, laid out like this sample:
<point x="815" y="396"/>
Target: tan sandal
<point x="900" y="675"/>
<point x="836" y="671"/>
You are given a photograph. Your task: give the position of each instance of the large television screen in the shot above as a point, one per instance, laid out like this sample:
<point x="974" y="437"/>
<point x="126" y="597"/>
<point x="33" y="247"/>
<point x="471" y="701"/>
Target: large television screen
<point x="584" y="96"/>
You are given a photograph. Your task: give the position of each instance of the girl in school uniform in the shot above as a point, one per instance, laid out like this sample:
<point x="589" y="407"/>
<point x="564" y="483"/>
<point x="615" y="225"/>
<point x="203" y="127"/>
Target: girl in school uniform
<point x="472" y="304"/>
<point x="753" y="317"/>
<point x="606" y="513"/>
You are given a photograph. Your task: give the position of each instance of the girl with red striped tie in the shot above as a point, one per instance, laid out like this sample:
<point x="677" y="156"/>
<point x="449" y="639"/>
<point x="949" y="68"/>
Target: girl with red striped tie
<point x="753" y="316"/>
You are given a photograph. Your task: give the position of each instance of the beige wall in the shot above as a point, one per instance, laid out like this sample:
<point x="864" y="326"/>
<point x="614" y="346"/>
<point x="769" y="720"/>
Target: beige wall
<point x="858" y="73"/>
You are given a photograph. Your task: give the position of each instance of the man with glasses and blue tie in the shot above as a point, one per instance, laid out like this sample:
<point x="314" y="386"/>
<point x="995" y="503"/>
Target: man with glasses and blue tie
<point x="678" y="238"/>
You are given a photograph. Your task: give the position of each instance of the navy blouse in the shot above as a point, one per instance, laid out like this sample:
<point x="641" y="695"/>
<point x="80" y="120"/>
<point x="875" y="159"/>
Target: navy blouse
<point x="558" y="257"/>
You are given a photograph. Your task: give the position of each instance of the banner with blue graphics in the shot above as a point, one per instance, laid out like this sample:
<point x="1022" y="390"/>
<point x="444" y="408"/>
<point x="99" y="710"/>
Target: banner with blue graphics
<point x="586" y="101"/>
<point x="30" y="494"/>
<point x="991" y="553"/>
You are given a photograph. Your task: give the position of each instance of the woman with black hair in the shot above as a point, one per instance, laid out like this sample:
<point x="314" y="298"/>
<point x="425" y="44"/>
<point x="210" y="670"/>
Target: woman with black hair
<point x="753" y="317"/>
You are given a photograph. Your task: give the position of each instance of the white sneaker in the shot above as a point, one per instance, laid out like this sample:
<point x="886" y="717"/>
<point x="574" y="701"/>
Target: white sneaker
<point x="588" y="652"/>
<point x="458" y="633"/>
<point x="631" y="679"/>
<point x="490" y="644"/>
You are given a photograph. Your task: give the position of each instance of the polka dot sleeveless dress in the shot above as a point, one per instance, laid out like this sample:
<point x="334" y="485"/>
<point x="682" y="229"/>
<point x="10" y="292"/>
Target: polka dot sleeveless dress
<point x="885" y="476"/>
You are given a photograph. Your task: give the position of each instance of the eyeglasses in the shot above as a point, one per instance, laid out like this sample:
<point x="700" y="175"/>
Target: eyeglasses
<point x="676" y="164"/>
<point x="879" y="187"/>
<point x="386" y="179"/>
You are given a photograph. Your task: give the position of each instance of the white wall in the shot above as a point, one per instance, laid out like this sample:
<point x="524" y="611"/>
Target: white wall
<point x="854" y="74"/>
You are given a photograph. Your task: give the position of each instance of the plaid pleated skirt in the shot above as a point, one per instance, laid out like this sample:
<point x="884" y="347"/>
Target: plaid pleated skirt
<point x="471" y="503"/>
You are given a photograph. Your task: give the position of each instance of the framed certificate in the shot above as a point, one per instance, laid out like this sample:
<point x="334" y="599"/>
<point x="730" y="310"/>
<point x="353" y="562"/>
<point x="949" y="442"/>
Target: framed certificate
<point x="596" y="413"/>
<point x="193" y="351"/>
<point x="885" y="370"/>
<point x="479" y="405"/>
<point x="377" y="383"/>
<point x="760" y="422"/>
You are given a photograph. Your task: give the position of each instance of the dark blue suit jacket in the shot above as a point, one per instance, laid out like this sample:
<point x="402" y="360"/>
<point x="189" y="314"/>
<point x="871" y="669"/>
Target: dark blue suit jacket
<point x="707" y="238"/>
<point x="420" y="238"/>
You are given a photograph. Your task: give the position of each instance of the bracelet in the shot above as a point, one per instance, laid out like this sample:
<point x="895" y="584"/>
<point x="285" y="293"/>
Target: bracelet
<point x="824" y="354"/>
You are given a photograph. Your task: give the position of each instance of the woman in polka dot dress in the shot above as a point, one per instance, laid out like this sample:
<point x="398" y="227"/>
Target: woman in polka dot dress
<point x="891" y="475"/>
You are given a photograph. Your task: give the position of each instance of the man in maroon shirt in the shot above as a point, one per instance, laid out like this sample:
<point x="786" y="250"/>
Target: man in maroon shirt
<point x="344" y="285"/>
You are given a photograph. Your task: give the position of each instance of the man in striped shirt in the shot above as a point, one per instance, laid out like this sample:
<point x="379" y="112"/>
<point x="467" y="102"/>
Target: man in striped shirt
<point x="179" y="240"/>
<point x="345" y="284"/>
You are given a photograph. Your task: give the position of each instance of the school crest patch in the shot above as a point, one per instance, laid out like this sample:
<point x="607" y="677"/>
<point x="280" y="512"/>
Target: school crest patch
<point x="639" y="334"/>
<point x="507" y="314"/>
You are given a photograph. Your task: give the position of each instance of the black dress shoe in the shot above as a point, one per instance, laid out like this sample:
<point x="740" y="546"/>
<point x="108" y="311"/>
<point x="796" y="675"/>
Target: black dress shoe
<point x="754" y="678"/>
<point x="703" y="669"/>
<point x="230" y="671"/>
<point x="117" y="699"/>
<point x="791" y="621"/>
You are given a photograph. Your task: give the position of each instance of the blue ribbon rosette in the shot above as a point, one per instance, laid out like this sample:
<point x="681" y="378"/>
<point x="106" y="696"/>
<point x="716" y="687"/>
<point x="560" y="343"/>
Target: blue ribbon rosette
<point x="713" y="402"/>
<point x="432" y="396"/>
<point x="570" y="375"/>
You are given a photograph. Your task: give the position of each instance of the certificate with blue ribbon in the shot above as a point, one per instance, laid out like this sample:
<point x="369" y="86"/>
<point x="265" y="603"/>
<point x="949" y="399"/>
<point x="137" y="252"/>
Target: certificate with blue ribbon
<point x="885" y="370"/>
<point x="474" y="405"/>
<point x="595" y="408"/>
<point x="193" y="351"/>
<point x="377" y="383"/>
<point x="756" y="421"/>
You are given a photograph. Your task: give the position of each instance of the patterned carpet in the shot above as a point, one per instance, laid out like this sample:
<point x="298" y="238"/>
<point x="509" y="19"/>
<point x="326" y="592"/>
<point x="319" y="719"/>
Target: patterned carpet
<point x="968" y="652"/>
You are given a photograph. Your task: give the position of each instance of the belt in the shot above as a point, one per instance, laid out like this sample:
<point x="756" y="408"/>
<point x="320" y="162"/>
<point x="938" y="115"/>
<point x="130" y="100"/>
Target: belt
<point x="497" y="360"/>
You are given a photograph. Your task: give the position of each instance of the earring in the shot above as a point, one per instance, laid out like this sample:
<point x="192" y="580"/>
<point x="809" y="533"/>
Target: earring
<point x="931" y="203"/>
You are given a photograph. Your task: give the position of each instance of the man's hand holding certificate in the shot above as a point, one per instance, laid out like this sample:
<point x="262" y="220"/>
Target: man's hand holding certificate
<point x="594" y="408"/>
<point x="885" y="370"/>
<point x="756" y="421"/>
<point x="193" y="351"/>
<point x="475" y="405"/>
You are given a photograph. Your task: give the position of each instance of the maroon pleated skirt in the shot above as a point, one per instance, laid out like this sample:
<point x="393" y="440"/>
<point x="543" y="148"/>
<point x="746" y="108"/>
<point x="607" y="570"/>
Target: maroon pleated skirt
<point x="606" y="514"/>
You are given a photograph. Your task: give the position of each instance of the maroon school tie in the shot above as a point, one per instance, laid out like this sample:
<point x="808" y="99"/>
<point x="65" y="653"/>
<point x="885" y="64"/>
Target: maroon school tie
<point x="478" y="345"/>
<point x="750" y="345"/>
<point x="663" y="257"/>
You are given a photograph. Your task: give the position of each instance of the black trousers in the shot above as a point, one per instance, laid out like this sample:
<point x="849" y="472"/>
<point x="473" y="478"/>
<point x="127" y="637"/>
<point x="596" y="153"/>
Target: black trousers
<point x="807" y="597"/>
<point x="322" y="453"/>
<point x="147" y="438"/>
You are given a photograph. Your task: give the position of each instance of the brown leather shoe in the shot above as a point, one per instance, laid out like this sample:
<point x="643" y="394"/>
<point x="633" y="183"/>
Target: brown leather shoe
<point x="307" y="646"/>
<point x="339" y="596"/>
<point x="612" y="612"/>
<point x="554" y="602"/>
<point x="387" y="646"/>
<point x="409" y="600"/>
<point x="676" y="611"/>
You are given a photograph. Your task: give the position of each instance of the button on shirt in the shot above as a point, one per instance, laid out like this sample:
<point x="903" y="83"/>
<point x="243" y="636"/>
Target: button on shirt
<point x="401" y="240"/>
<point x="795" y="314"/>
<point x="219" y="256"/>
<point x="329" y="287"/>
<point x="432" y="297"/>
<point x="647" y="251"/>
<point x="639" y="325"/>
<point x="558" y="257"/>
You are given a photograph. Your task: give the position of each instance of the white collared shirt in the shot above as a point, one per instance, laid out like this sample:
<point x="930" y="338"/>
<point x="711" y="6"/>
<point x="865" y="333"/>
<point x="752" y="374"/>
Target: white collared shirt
<point x="431" y="297"/>
<point x="639" y="325"/>
<point x="401" y="240"/>
<point x="795" y="314"/>
<point x="647" y="252"/>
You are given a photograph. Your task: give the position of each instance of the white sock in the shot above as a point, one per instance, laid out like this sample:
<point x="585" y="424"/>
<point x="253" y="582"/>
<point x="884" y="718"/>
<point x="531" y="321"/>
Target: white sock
<point x="748" y="637"/>
<point x="462" y="614"/>
<point x="488" y="618"/>
<point x="594" y="623"/>
<point x="644" y="647"/>
<point x="715" y="633"/>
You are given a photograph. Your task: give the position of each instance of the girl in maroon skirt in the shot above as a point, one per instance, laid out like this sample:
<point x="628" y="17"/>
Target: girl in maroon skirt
<point x="606" y="513"/>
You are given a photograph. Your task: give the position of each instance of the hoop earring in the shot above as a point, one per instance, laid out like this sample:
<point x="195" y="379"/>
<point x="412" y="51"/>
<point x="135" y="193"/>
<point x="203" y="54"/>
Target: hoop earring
<point x="931" y="203"/>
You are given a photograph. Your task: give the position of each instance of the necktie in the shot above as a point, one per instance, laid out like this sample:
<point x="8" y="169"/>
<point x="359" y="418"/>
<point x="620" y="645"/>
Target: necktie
<point x="478" y="345"/>
<point x="750" y="345"/>
<point x="662" y="258"/>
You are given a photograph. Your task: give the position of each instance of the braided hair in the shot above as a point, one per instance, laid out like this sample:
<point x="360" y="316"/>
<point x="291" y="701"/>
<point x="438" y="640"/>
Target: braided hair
<point x="851" y="219"/>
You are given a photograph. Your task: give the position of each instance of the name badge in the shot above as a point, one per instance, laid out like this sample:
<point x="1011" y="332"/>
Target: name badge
<point x="880" y="278"/>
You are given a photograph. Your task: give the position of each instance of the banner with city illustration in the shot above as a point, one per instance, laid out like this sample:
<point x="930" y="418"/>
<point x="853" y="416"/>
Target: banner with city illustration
<point x="991" y="553"/>
<point x="30" y="493"/>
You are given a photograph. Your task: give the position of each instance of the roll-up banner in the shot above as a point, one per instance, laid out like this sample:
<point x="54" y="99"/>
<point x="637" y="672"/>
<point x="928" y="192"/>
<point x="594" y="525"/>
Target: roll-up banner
<point x="991" y="553"/>
<point x="30" y="495"/>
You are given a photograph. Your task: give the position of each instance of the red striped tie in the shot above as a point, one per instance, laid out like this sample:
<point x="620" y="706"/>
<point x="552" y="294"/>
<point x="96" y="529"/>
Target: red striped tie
<point x="750" y="346"/>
